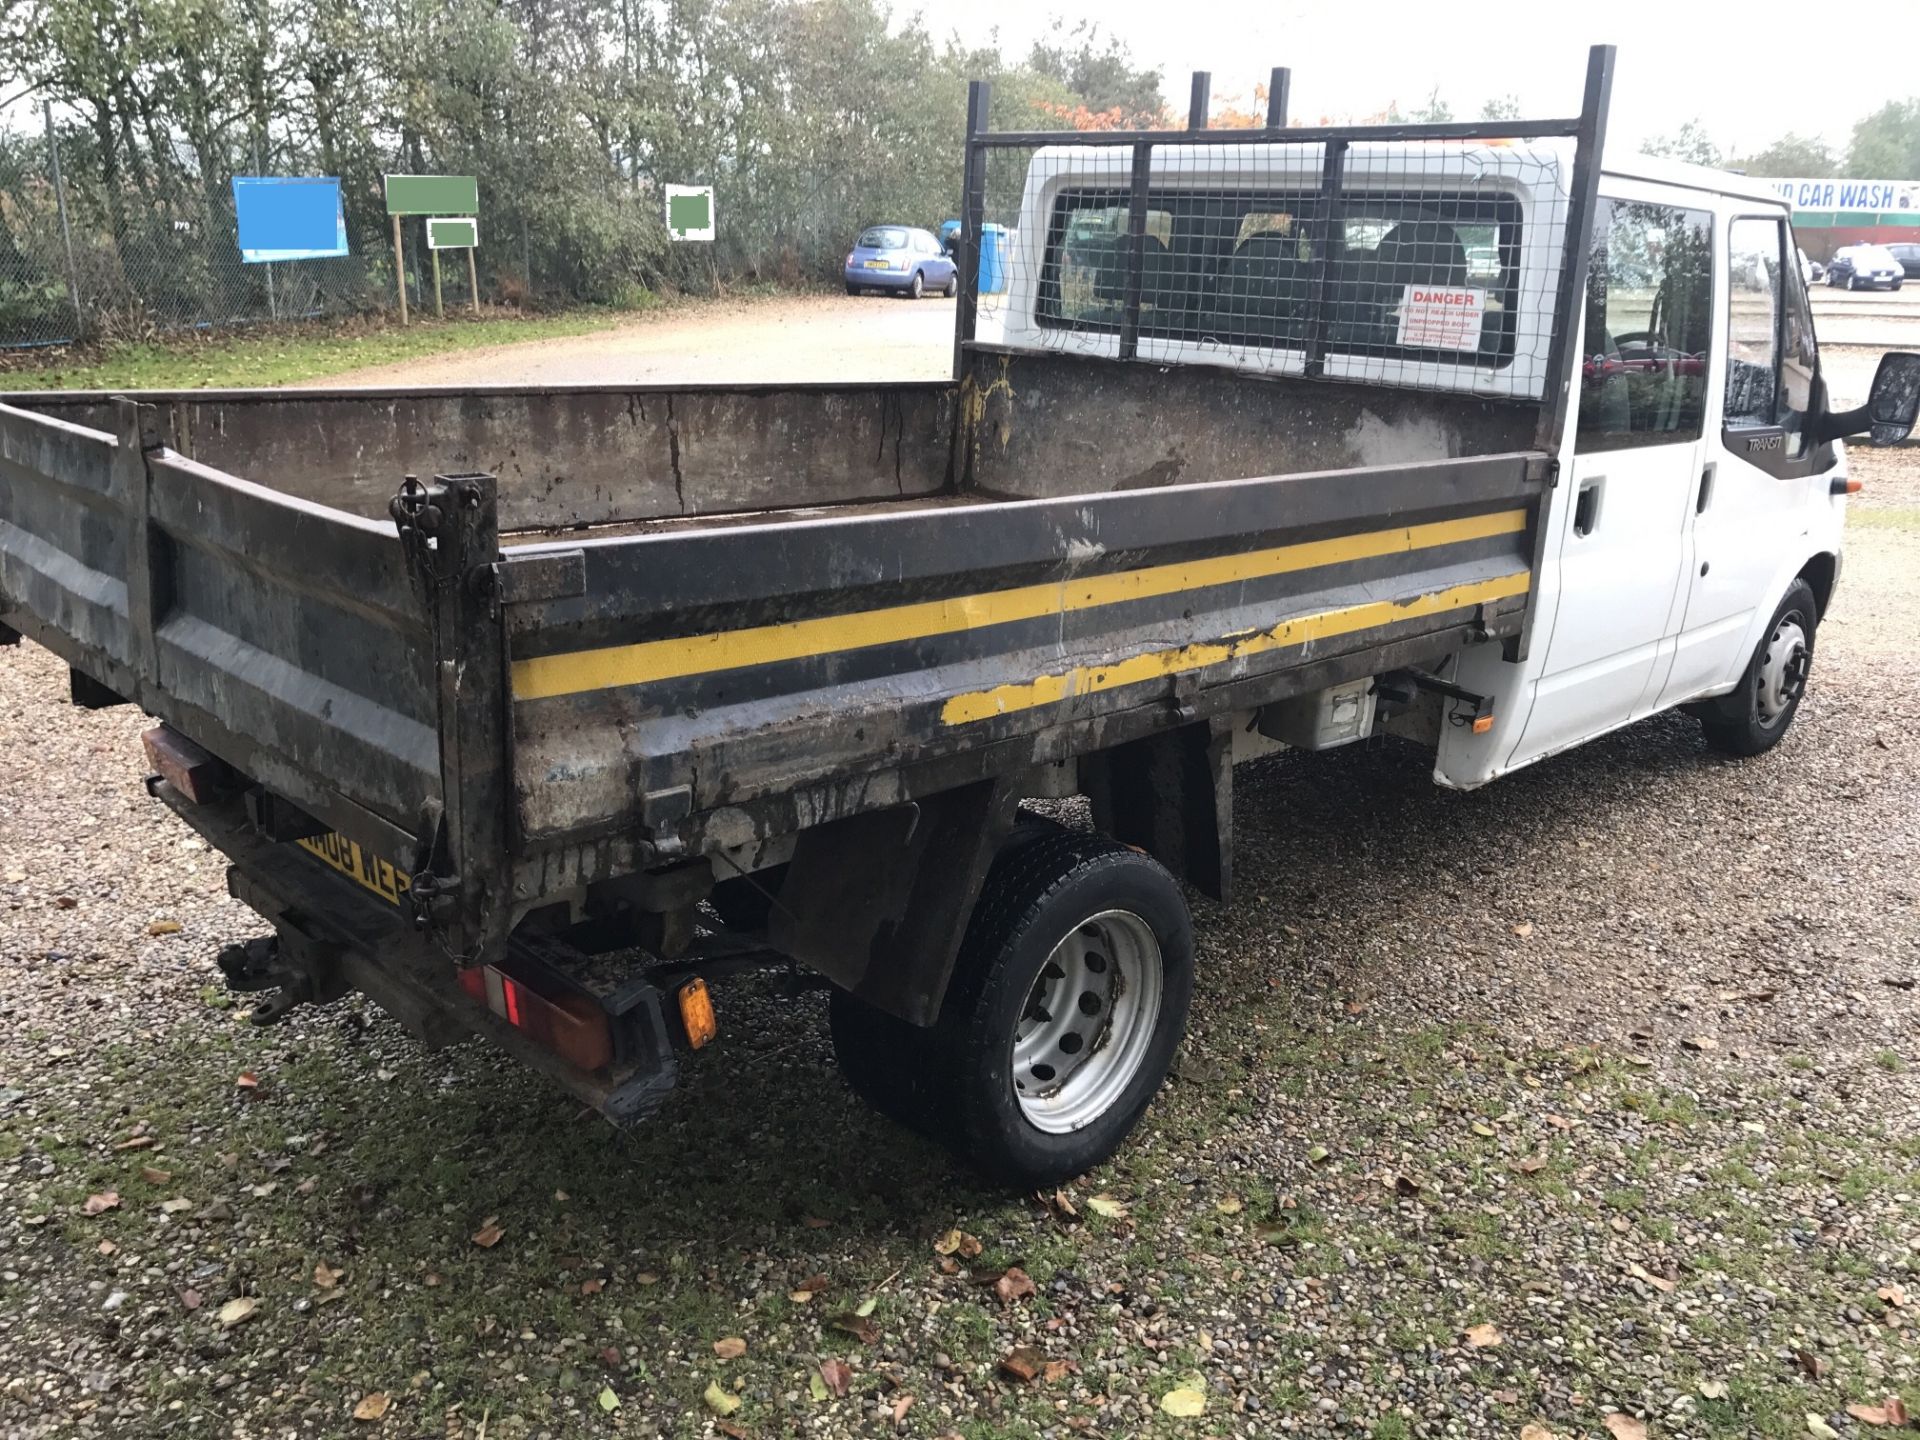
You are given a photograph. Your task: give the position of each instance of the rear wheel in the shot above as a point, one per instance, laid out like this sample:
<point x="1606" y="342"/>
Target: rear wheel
<point x="952" y="287"/>
<point x="853" y="289"/>
<point x="1068" y="1000"/>
<point x="918" y="287"/>
<point x="1754" y="716"/>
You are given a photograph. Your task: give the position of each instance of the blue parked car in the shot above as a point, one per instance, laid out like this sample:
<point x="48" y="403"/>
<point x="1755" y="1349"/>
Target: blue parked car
<point x="903" y="259"/>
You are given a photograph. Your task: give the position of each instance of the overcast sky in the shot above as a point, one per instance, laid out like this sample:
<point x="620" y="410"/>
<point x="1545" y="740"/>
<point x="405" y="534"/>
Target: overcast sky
<point x="1749" y="70"/>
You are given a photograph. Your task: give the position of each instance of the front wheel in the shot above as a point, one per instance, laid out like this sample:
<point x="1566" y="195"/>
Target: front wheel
<point x="1853" y="282"/>
<point x="1068" y="1001"/>
<point x="1754" y="716"/>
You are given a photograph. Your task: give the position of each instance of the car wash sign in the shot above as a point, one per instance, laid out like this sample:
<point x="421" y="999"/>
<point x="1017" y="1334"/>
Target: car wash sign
<point x="1833" y="203"/>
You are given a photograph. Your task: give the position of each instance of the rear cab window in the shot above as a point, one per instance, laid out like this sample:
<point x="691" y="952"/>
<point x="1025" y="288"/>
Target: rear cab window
<point x="883" y="237"/>
<point x="1239" y="268"/>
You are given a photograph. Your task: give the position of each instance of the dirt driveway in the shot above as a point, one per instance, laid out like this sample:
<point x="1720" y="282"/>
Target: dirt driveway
<point x="815" y="337"/>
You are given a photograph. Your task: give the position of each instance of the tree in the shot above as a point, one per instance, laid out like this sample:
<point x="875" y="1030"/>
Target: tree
<point x="1501" y="107"/>
<point x="1886" y="144"/>
<point x="1806" y="156"/>
<point x="1690" y="143"/>
<point x="1101" y="73"/>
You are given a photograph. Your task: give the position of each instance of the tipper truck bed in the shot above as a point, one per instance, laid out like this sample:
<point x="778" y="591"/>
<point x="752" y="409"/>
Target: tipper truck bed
<point x="529" y="712"/>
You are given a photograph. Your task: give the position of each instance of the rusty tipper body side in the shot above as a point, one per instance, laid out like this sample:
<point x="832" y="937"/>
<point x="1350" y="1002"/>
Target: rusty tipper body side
<point x="622" y="688"/>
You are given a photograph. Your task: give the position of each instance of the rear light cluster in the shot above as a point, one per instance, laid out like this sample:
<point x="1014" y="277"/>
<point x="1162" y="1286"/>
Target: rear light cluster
<point x="570" y="1025"/>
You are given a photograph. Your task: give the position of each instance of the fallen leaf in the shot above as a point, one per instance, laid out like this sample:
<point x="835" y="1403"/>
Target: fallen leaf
<point x="489" y="1235"/>
<point x="1699" y="1042"/>
<point x="1561" y="1122"/>
<point x="858" y="1326"/>
<point x="865" y="1307"/>
<point x="248" y="1080"/>
<point x="646" y="1277"/>
<point x="721" y="1402"/>
<point x="236" y="1312"/>
<point x="1482" y="1337"/>
<point x="1537" y="1432"/>
<point x="1523" y="929"/>
<point x="261" y="1192"/>
<point x="1229" y="1205"/>
<point x="837" y="1375"/>
<point x="1713" y="1389"/>
<point x="733" y="1429"/>
<point x="1483" y="1130"/>
<point x="731" y="1347"/>
<point x="800" y="1297"/>
<point x="957" y="1242"/>
<point x="814" y="1222"/>
<point x="325" y="1276"/>
<point x="136" y="1142"/>
<point x="101" y="1203"/>
<point x="1813" y="1366"/>
<point x="1894" y="1295"/>
<point x="1820" y="1429"/>
<point x="163" y="927"/>
<point x="610" y="1356"/>
<point x="814" y="1284"/>
<point x="593" y="1286"/>
<point x="900" y="1408"/>
<point x="1531" y="1163"/>
<point x="1660" y="1283"/>
<point x="610" y="1402"/>
<point x="190" y="1299"/>
<point x="106" y="1247"/>
<point x="1108" y="1207"/>
<point x="817" y="1388"/>
<point x="1184" y="1403"/>
<point x="1023" y="1363"/>
<point x="1016" y="1284"/>
<point x="372" y="1407"/>
<point x="1058" y="1370"/>
<point x="155" y="1176"/>
<point x="1623" y="1426"/>
<point x="178" y="1205"/>
<point x="1318" y="1154"/>
<point x="1062" y="1203"/>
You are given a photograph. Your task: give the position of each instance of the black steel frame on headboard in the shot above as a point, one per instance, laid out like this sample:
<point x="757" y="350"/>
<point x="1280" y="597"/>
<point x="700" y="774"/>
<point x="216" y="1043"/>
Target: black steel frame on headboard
<point x="1588" y="130"/>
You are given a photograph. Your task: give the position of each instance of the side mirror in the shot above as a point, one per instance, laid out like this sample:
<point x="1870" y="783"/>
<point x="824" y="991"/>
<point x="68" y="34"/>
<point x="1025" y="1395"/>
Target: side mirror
<point x="1893" y="404"/>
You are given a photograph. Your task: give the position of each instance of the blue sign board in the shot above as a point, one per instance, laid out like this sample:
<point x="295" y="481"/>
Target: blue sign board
<point x="288" y="217"/>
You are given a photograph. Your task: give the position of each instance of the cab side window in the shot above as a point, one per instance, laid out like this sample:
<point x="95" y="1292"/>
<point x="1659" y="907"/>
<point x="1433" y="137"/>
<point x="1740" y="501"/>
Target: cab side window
<point x="1770" y="349"/>
<point x="1643" y="376"/>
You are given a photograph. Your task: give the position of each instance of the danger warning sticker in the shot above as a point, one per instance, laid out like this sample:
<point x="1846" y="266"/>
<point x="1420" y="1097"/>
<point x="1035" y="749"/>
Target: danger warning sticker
<point x="1434" y="317"/>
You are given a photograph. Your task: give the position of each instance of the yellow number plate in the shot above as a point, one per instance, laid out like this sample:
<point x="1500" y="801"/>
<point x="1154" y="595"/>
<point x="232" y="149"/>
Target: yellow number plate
<point x="879" y="264"/>
<point x="362" y="866"/>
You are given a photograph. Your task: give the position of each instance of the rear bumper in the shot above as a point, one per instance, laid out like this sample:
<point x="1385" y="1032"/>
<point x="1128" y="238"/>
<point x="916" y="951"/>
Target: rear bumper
<point x="338" y="937"/>
<point x="879" y="279"/>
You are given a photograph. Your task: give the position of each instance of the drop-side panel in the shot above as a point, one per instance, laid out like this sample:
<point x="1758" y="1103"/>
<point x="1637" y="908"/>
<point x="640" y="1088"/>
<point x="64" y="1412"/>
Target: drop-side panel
<point x="283" y="636"/>
<point x="712" y="668"/>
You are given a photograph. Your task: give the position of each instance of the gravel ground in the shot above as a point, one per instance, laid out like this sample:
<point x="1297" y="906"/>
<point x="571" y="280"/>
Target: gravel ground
<point x="1580" y="1104"/>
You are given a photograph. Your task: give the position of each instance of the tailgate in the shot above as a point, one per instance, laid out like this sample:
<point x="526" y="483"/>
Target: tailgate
<point x="284" y="636"/>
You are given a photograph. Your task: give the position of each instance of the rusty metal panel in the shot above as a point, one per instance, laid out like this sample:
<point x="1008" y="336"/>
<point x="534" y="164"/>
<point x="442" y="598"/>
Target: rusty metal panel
<point x="1044" y="425"/>
<point x="565" y="458"/>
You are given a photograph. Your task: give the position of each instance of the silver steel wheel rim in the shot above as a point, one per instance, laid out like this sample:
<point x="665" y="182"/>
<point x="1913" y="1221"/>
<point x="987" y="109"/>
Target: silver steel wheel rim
<point x="1088" y="1022"/>
<point x="1784" y="662"/>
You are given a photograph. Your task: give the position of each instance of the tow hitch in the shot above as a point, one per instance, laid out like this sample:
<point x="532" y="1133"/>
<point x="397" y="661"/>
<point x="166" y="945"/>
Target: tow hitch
<point x="256" y="965"/>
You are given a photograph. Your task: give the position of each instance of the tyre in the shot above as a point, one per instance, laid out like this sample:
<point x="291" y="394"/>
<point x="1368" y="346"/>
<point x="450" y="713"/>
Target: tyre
<point x="853" y="289"/>
<point x="952" y="287"/>
<point x="1753" y="717"/>
<point x="1853" y="282"/>
<point x="1068" y="1000"/>
<point x="917" y="287"/>
<point x="884" y="1058"/>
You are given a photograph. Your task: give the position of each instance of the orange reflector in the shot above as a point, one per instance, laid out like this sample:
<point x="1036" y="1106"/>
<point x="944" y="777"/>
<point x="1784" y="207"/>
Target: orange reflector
<point x="1853" y="485"/>
<point x="1482" y="724"/>
<point x="696" y="1012"/>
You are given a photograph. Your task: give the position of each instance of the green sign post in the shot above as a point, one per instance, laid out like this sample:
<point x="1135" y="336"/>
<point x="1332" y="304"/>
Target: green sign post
<point x="446" y="232"/>
<point x="431" y="195"/>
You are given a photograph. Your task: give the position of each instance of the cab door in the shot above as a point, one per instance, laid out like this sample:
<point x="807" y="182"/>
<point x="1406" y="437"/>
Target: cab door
<point x="1763" y="483"/>
<point x="1618" y="525"/>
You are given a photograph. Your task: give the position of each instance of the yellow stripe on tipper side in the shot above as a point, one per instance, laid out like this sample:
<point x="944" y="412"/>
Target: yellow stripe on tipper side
<point x="545" y="676"/>
<point x="1158" y="664"/>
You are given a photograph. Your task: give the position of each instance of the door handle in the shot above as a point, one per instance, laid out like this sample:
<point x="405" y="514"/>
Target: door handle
<point x="1586" y="506"/>
<point x="1706" y="489"/>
